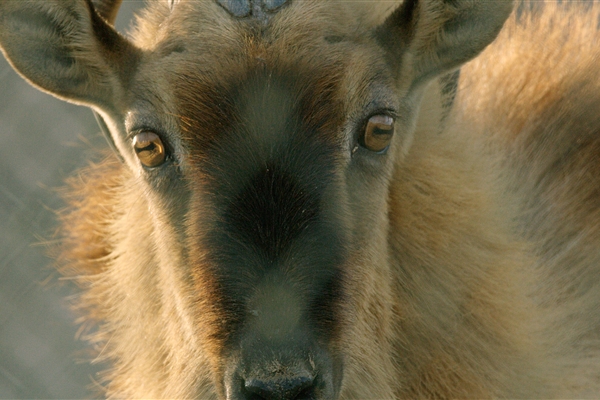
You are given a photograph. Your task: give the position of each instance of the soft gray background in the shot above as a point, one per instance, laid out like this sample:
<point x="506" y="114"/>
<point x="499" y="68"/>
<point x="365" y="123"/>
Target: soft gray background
<point x="42" y="140"/>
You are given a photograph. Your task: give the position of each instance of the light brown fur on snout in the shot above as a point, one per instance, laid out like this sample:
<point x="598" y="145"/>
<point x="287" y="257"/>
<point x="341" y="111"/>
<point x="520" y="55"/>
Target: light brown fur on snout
<point x="474" y="257"/>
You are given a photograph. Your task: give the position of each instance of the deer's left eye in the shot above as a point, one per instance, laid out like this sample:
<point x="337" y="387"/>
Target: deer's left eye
<point x="378" y="133"/>
<point x="150" y="149"/>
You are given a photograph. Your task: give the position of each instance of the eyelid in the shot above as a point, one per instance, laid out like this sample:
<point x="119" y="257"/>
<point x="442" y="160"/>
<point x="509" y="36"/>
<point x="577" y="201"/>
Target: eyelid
<point x="390" y="112"/>
<point x="387" y="112"/>
<point x="134" y="132"/>
<point x="383" y="119"/>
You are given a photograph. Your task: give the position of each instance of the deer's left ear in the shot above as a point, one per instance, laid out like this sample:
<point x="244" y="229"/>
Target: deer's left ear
<point x="425" y="38"/>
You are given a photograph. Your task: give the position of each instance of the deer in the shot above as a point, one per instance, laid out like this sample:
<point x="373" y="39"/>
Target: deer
<point x="331" y="200"/>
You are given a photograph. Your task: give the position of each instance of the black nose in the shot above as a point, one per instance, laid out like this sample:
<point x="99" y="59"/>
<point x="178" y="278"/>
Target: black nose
<point x="280" y="388"/>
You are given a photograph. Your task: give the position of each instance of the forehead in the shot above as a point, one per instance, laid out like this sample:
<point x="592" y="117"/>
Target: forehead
<point x="299" y="20"/>
<point x="301" y="36"/>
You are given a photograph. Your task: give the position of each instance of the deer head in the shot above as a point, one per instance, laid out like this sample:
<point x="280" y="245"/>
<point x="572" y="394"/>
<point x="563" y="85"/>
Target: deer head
<point x="263" y="137"/>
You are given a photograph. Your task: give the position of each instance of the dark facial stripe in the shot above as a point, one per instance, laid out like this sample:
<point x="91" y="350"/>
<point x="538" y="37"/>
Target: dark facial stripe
<point x="271" y="211"/>
<point x="265" y="175"/>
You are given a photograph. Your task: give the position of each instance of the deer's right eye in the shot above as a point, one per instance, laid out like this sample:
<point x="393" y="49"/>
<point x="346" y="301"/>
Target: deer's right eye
<point x="378" y="133"/>
<point x="150" y="149"/>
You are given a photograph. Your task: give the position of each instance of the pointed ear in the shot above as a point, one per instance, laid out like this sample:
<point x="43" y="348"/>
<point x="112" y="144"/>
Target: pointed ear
<point x="425" y="38"/>
<point x="64" y="48"/>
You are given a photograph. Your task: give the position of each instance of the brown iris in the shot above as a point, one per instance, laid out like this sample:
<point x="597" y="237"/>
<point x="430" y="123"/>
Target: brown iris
<point x="378" y="133"/>
<point x="149" y="149"/>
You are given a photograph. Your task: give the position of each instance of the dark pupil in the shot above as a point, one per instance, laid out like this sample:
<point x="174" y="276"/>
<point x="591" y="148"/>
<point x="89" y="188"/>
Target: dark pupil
<point x="381" y="130"/>
<point x="151" y="146"/>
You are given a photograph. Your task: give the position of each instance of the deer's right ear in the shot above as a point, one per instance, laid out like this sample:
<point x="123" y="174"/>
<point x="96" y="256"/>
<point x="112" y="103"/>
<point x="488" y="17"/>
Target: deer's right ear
<point x="64" y="48"/>
<point x="425" y="38"/>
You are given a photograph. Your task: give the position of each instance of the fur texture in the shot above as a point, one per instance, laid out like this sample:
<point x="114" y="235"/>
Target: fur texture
<point x="472" y="266"/>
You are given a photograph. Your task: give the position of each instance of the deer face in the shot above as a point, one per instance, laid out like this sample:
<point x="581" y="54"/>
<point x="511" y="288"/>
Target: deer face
<point x="269" y="147"/>
<point x="264" y="149"/>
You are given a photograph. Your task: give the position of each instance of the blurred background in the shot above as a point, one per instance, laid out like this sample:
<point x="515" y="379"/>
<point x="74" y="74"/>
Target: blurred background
<point x="42" y="141"/>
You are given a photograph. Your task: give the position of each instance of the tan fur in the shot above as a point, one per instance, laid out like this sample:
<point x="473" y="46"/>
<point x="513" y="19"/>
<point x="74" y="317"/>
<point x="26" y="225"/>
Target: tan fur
<point x="539" y="86"/>
<point x="475" y="270"/>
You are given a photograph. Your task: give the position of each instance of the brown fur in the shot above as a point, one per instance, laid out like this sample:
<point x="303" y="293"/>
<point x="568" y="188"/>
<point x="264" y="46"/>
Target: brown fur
<point x="477" y="270"/>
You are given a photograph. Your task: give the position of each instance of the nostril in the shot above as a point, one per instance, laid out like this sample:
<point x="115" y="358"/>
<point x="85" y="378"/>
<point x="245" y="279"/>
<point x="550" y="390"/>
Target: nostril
<point x="294" y="388"/>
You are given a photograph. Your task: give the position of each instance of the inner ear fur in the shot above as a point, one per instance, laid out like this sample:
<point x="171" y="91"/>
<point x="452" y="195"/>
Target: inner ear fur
<point x="66" y="49"/>
<point x="425" y="38"/>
